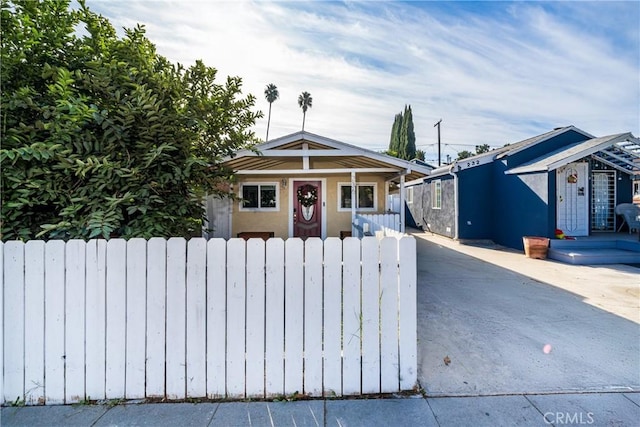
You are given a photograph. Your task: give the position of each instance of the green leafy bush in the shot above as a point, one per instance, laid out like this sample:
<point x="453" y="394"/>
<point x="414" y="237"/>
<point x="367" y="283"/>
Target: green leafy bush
<point x="101" y="136"/>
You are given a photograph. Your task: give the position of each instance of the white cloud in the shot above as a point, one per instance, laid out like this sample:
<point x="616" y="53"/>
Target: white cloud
<point x="493" y="77"/>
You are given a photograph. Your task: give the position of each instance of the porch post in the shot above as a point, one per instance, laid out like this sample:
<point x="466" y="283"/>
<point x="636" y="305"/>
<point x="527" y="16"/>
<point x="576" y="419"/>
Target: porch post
<point x="353" y="198"/>
<point x="402" y="203"/>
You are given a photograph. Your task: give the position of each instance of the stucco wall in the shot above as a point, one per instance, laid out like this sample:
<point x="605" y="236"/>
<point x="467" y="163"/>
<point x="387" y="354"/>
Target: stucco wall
<point x="440" y="221"/>
<point x="521" y="206"/>
<point x="278" y="222"/>
<point x="475" y="188"/>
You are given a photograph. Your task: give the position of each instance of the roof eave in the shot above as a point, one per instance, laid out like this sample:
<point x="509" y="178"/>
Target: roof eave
<point x="611" y="140"/>
<point x="559" y="131"/>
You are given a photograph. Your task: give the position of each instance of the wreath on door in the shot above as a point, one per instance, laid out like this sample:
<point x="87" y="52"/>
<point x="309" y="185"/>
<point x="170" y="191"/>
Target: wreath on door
<point x="307" y="195"/>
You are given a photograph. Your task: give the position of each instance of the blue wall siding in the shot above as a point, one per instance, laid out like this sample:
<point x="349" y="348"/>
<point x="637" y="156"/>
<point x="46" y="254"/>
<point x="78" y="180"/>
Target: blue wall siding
<point x="504" y="208"/>
<point x="553" y="203"/>
<point x="476" y="198"/>
<point x="521" y="206"/>
<point x="624" y="188"/>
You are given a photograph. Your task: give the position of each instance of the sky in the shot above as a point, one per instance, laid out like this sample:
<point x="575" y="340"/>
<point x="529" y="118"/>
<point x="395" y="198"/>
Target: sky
<point x="494" y="72"/>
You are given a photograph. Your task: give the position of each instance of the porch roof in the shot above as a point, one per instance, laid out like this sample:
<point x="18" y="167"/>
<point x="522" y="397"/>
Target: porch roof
<point x="621" y="151"/>
<point x="307" y="153"/>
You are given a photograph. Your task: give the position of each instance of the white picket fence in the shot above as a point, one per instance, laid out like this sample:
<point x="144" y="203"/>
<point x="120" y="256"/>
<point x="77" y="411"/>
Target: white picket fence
<point x="377" y="224"/>
<point x="218" y="319"/>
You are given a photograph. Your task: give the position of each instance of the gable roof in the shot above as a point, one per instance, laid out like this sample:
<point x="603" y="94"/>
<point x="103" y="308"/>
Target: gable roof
<point x="608" y="149"/>
<point x="301" y="152"/>
<point x="519" y="146"/>
<point x="507" y="150"/>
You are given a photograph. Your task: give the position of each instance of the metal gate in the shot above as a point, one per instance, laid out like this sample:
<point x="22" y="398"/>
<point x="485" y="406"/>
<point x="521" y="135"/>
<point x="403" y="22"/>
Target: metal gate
<point x="603" y="198"/>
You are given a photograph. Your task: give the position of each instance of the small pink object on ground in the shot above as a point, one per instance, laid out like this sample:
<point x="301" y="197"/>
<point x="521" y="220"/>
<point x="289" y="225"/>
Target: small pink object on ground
<point x="546" y="349"/>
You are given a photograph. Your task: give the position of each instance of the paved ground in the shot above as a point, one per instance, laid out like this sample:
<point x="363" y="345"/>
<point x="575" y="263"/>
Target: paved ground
<point x="613" y="409"/>
<point x="492" y="311"/>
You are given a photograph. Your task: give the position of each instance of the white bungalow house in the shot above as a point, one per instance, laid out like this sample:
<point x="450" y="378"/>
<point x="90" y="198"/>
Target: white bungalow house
<point x="306" y="185"/>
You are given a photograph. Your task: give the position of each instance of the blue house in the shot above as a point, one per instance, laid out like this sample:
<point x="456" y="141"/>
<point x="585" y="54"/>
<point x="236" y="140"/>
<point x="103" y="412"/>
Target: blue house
<point x="565" y="178"/>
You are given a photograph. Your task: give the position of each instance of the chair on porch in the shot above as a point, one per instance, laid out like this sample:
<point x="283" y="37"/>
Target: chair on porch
<point x="630" y="214"/>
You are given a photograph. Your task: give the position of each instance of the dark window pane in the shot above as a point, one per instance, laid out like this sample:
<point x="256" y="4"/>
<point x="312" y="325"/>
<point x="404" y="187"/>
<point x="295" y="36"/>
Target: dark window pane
<point x="345" y="197"/>
<point x="365" y="196"/>
<point x="267" y="196"/>
<point x="250" y="196"/>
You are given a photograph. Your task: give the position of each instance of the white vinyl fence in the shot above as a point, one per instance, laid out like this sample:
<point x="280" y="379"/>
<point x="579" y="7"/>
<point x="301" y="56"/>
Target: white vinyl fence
<point x="217" y="319"/>
<point x="377" y="224"/>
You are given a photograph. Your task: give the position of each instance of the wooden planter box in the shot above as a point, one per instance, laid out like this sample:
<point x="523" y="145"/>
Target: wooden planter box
<point x="536" y="247"/>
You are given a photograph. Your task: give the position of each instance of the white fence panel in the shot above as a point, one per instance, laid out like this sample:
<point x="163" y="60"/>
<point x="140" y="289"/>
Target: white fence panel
<point x="351" y="317"/>
<point x="274" y="317"/>
<point x="236" y="317"/>
<point x="216" y="317"/>
<point x="13" y="323"/>
<point x="332" y="317"/>
<point x="373" y="224"/>
<point x="313" y="316"/>
<point x="2" y="322"/>
<point x="223" y="319"/>
<point x="196" y="317"/>
<point x="408" y="309"/>
<point x="294" y="312"/>
<point x="156" y="315"/>
<point x="74" y="321"/>
<point x="116" y="317"/>
<point x="389" y="363"/>
<point x="255" y="318"/>
<point x="370" y="316"/>
<point x="54" y="365"/>
<point x="96" y="256"/>
<point x="136" y="318"/>
<point x="34" y="321"/>
<point x="176" y="322"/>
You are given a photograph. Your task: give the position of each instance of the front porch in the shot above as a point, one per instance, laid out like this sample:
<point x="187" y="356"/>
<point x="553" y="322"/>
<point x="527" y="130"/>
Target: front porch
<point x="305" y="185"/>
<point x="598" y="248"/>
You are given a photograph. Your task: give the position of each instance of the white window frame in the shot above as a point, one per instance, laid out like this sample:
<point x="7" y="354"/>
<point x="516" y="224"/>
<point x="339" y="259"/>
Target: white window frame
<point x="359" y="184"/>
<point x="436" y="194"/>
<point x="259" y="209"/>
<point x="409" y="195"/>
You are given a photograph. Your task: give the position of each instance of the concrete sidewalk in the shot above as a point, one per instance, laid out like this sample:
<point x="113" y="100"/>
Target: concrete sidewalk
<point x="595" y="409"/>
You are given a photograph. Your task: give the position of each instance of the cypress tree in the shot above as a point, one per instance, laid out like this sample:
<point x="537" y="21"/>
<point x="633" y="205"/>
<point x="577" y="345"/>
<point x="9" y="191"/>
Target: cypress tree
<point x="394" y="143"/>
<point x="403" y="138"/>
<point x="408" y="151"/>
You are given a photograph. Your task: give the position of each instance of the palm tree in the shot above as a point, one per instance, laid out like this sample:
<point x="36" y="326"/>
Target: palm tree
<point x="271" y="93"/>
<point x="304" y="101"/>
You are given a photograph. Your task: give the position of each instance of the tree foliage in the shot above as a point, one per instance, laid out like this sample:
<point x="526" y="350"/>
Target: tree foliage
<point x="480" y="149"/>
<point x="101" y="136"/>
<point x="402" y="143"/>
<point x="305" y="101"/>
<point x="394" y="143"/>
<point x="484" y="148"/>
<point x="464" y="154"/>
<point x="271" y="94"/>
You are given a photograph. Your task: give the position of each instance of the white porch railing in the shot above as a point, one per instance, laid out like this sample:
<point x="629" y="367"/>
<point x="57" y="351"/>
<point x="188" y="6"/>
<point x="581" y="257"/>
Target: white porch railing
<point x="218" y="319"/>
<point x="380" y="225"/>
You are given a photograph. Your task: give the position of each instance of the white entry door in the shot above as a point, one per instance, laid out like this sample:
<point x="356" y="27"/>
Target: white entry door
<point x="572" y="208"/>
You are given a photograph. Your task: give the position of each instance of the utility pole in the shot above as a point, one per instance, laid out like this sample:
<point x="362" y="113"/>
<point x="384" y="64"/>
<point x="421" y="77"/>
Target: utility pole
<point x="439" y="155"/>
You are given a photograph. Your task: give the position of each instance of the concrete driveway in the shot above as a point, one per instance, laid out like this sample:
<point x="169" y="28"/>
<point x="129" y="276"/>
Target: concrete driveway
<point x="514" y="325"/>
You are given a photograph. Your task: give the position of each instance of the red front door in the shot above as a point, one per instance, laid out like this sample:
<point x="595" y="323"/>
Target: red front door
<point x="307" y="210"/>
